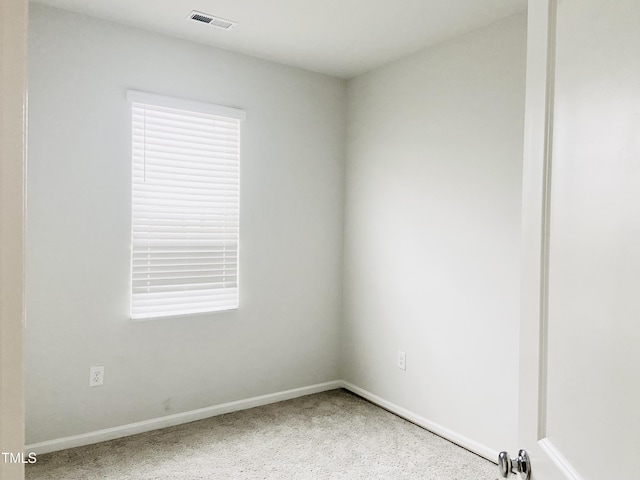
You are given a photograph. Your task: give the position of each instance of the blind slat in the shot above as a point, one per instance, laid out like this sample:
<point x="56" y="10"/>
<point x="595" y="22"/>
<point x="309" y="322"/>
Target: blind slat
<point x="169" y="291"/>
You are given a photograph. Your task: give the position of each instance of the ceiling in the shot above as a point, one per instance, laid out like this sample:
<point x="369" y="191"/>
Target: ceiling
<point x="343" y="38"/>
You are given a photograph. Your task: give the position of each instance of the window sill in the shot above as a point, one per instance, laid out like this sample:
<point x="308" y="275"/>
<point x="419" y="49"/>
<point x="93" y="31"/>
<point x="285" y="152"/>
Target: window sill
<point x="182" y="315"/>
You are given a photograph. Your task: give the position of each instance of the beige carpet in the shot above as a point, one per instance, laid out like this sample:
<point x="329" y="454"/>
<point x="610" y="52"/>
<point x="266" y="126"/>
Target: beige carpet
<point x="330" y="435"/>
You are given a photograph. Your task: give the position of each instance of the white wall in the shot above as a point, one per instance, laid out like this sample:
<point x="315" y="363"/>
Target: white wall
<point x="434" y="145"/>
<point x="284" y="335"/>
<point x="433" y="232"/>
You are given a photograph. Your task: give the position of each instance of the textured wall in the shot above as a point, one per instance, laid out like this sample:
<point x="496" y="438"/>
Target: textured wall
<point x="284" y="335"/>
<point x="433" y="232"/>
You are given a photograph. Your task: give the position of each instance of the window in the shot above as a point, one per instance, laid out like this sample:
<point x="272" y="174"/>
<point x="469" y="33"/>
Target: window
<point x="185" y="206"/>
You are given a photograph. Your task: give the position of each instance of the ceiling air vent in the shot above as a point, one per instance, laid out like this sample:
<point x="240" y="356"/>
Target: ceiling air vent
<point x="211" y="20"/>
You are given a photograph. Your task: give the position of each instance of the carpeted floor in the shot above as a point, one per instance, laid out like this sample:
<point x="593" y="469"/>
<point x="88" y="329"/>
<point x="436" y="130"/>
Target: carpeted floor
<point x="330" y="435"/>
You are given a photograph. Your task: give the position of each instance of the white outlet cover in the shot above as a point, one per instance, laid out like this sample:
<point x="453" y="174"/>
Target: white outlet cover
<point x="402" y="360"/>
<point x="96" y="376"/>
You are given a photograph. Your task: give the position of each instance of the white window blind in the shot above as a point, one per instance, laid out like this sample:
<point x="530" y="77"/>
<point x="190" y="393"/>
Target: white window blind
<point x="185" y="206"/>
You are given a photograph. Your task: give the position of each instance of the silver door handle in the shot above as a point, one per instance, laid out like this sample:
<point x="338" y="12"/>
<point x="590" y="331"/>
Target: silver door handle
<point x="521" y="464"/>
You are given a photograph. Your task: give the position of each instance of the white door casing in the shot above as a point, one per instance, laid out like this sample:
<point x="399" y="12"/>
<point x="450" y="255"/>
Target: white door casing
<point x="13" y="54"/>
<point x="580" y="334"/>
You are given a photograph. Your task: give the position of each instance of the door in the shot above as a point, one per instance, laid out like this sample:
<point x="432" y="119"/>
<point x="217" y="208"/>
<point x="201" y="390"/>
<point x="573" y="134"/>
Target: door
<point x="580" y="321"/>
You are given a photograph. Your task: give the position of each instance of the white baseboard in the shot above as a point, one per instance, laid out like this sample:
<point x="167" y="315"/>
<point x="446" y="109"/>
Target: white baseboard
<point x="175" y="419"/>
<point x="436" y="428"/>
<point x="560" y="461"/>
<point x="202" y="413"/>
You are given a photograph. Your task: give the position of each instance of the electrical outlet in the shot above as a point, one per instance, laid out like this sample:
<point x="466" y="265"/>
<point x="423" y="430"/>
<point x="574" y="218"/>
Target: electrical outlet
<point x="96" y="376"/>
<point x="402" y="360"/>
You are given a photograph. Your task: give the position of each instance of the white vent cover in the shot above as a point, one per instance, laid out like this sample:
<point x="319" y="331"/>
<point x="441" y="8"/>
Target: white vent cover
<point x="211" y="20"/>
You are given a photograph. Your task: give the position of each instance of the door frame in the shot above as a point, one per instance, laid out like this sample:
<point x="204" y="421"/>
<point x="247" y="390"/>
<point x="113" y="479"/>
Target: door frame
<point x="13" y="45"/>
